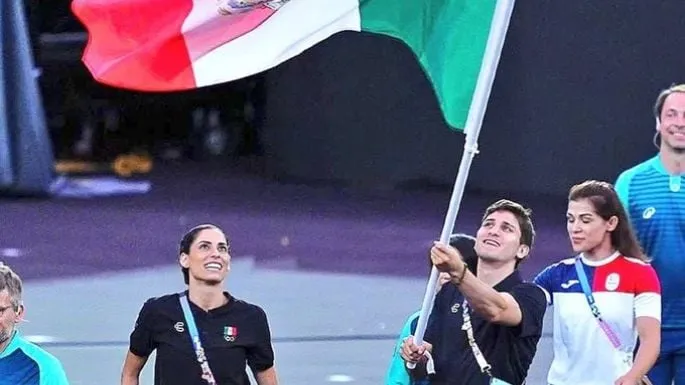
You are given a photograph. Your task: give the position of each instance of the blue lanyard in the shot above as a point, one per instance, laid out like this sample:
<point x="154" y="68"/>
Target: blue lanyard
<point x="190" y="322"/>
<point x="207" y="374"/>
<point x="613" y="338"/>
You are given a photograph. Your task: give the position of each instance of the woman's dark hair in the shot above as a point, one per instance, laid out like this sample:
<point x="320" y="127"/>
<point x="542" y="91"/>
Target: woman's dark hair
<point x="466" y="244"/>
<point x="606" y="203"/>
<point x="187" y="241"/>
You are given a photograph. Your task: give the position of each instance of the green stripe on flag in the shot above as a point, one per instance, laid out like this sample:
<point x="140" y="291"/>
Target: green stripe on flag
<point x="447" y="36"/>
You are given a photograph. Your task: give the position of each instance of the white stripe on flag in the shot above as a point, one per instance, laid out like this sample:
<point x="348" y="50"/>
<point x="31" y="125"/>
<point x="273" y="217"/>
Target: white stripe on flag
<point x="296" y="26"/>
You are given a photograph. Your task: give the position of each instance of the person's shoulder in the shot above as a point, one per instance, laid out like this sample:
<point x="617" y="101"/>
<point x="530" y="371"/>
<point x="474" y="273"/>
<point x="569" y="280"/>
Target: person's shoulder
<point x="525" y="287"/>
<point x="413" y="320"/>
<point x="247" y="307"/>
<point x="530" y="291"/>
<point x="163" y="302"/>
<point x="637" y="267"/>
<point x="414" y="316"/>
<point x="641" y="275"/>
<point x="642" y="167"/>
<point x="555" y="270"/>
<point x="44" y="359"/>
<point x="636" y="263"/>
<point x="562" y="264"/>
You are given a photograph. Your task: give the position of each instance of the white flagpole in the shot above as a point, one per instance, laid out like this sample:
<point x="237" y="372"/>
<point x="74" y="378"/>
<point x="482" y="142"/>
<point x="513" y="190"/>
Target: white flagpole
<point x="474" y="122"/>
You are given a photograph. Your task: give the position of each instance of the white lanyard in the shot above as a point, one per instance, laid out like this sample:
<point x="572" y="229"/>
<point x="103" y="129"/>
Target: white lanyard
<point x="468" y="328"/>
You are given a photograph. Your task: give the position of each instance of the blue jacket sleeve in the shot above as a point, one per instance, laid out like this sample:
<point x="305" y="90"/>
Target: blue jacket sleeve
<point x="546" y="280"/>
<point x="52" y="373"/>
<point x="397" y="373"/>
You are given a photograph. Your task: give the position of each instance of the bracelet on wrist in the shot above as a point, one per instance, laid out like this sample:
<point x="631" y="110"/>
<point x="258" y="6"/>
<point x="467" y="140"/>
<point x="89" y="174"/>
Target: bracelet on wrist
<point x="460" y="276"/>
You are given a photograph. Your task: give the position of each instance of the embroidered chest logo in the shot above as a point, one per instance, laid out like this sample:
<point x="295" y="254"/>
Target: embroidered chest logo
<point x="179" y="327"/>
<point x="648" y="213"/>
<point x="230" y="333"/>
<point x="612" y="281"/>
<point x="674" y="183"/>
<point x="455" y="308"/>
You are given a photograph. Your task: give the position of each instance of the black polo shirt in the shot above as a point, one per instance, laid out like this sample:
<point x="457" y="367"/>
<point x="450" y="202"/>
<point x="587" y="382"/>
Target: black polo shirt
<point x="232" y="336"/>
<point x="509" y="350"/>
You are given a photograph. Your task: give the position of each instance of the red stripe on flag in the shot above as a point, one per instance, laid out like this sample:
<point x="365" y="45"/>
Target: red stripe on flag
<point x="137" y="44"/>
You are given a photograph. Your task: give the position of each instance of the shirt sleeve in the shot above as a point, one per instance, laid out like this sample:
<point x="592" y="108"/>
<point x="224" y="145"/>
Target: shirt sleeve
<point x="260" y="356"/>
<point x="532" y="302"/>
<point x="52" y="373"/>
<point x="142" y="342"/>
<point x="546" y="281"/>
<point x="397" y="373"/>
<point x="647" y="302"/>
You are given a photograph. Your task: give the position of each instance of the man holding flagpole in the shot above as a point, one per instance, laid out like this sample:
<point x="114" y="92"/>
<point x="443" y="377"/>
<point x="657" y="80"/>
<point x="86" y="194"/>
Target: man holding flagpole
<point x="486" y="324"/>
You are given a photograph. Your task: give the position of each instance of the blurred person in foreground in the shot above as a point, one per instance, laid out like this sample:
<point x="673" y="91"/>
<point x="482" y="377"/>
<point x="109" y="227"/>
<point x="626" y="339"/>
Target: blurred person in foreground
<point x="485" y="326"/>
<point x="202" y="335"/>
<point x="22" y="362"/>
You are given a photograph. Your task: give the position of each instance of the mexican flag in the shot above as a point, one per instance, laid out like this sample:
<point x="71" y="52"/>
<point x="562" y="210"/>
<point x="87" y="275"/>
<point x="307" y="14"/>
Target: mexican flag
<point x="170" y="45"/>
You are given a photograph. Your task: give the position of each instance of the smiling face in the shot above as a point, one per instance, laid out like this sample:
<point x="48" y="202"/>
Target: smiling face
<point x="499" y="238"/>
<point x="10" y="315"/>
<point x="208" y="259"/>
<point x="672" y="122"/>
<point x="11" y="309"/>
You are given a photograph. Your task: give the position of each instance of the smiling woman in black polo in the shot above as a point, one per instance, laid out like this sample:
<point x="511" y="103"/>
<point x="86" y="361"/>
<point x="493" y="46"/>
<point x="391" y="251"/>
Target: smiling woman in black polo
<point x="203" y="335"/>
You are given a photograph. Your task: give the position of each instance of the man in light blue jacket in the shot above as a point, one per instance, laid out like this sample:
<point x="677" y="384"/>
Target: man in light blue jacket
<point x="22" y="362"/>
